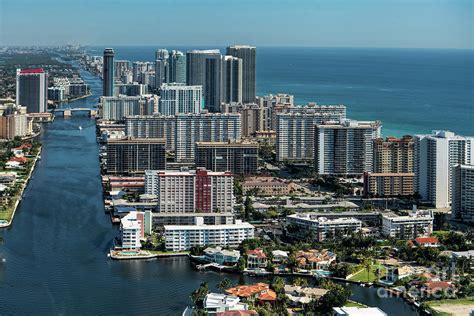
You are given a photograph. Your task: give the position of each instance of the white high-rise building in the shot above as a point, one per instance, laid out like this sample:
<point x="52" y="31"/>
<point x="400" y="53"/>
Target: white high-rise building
<point x="191" y="191"/>
<point x="295" y="130"/>
<point x="463" y="193"/>
<point x="179" y="98"/>
<point x="132" y="230"/>
<point x="204" y="127"/>
<point x="435" y="156"/>
<point x="345" y="148"/>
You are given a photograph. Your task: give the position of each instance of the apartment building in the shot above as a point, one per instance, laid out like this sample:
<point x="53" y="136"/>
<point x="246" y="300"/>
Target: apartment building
<point x="435" y="156"/>
<point x="415" y="224"/>
<point x="184" y="237"/>
<point x="463" y="193"/>
<point x="296" y="130"/>
<point x="317" y="227"/>
<point x="135" y="155"/>
<point x="237" y="157"/>
<point x="191" y="191"/>
<point x="345" y="148"/>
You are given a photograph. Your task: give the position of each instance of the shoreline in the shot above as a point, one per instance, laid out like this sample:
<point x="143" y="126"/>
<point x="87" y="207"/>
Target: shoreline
<point x="23" y="187"/>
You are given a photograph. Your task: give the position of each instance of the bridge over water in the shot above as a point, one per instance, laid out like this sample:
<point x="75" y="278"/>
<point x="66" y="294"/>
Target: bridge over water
<point x="69" y="111"/>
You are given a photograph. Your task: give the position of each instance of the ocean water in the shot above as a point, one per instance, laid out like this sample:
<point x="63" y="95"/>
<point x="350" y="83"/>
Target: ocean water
<point x="411" y="91"/>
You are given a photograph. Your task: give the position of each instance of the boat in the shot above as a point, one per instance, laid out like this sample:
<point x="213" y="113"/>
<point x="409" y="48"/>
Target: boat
<point x="80" y="128"/>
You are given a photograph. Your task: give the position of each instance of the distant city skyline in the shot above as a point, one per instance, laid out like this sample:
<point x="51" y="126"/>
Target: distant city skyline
<point x="324" y="23"/>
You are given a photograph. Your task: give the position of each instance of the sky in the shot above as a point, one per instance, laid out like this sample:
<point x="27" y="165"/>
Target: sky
<point x="321" y="23"/>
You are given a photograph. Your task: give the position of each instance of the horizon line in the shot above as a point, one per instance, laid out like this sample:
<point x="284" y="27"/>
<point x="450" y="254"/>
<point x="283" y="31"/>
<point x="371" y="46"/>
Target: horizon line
<point x="262" y="46"/>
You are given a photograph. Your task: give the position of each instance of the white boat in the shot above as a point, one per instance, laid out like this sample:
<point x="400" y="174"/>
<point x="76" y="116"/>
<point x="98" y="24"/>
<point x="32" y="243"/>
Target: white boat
<point x="80" y="128"/>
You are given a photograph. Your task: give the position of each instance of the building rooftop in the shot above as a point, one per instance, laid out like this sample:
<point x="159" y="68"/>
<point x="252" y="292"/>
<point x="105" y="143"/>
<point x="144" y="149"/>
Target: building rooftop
<point x="358" y="311"/>
<point x="427" y="240"/>
<point x="32" y="71"/>
<point x="209" y="227"/>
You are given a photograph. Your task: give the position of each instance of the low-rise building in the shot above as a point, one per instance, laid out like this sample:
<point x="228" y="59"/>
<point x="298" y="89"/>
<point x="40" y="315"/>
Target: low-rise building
<point x="395" y="273"/>
<point x="253" y="292"/>
<point x="315" y="259"/>
<point x="267" y="186"/>
<point x="300" y="295"/>
<point x="317" y="227"/>
<point x="458" y="256"/>
<point x="215" y="303"/>
<point x="184" y="237"/>
<point x="415" y="224"/>
<point x="256" y="259"/>
<point x="221" y="256"/>
<point x="132" y="227"/>
<point x="279" y="256"/>
<point x="427" y="241"/>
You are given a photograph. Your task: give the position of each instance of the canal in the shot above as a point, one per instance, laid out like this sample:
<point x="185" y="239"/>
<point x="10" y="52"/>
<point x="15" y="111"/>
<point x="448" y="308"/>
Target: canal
<point x="56" y="250"/>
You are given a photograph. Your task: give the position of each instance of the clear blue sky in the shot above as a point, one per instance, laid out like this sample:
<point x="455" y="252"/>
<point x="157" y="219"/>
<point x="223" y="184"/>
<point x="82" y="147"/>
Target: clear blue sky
<point x="347" y="23"/>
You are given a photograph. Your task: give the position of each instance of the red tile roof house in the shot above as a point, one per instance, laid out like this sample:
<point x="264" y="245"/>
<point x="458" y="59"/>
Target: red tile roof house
<point x="437" y="288"/>
<point x="427" y="241"/>
<point x="260" y="292"/>
<point x="256" y="259"/>
<point x="21" y="160"/>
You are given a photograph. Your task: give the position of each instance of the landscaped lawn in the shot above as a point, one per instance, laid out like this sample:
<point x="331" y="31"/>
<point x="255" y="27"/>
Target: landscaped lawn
<point x="354" y="304"/>
<point x="361" y="276"/>
<point x="6" y="215"/>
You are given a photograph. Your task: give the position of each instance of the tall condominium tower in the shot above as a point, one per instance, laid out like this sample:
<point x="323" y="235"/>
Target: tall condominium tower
<point x="393" y="167"/>
<point x="203" y="67"/>
<point x="463" y="193"/>
<point x="295" y="130"/>
<point x="178" y="98"/>
<point x="108" y="73"/>
<point x="394" y="154"/>
<point x="207" y="127"/>
<point x="231" y="79"/>
<point x="248" y="56"/>
<point x="161" y="67"/>
<point x="121" y="68"/>
<point x="176" y="67"/>
<point x="152" y="126"/>
<point x="435" y="156"/>
<point x="132" y="156"/>
<point x="345" y="148"/>
<point x="32" y="89"/>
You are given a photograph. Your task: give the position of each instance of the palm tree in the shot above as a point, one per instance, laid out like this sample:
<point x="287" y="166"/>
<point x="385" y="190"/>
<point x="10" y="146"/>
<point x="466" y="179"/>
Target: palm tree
<point x="224" y="284"/>
<point x="367" y="263"/>
<point x="377" y="274"/>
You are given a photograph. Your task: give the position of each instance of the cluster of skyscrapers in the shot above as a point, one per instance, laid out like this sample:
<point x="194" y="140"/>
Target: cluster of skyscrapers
<point x="204" y="113"/>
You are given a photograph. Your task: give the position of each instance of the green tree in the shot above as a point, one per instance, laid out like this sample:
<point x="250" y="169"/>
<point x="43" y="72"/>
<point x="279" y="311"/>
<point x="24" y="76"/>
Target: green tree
<point x="278" y="285"/>
<point x="224" y="284"/>
<point x="198" y="295"/>
<point x="300" y="282"/>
